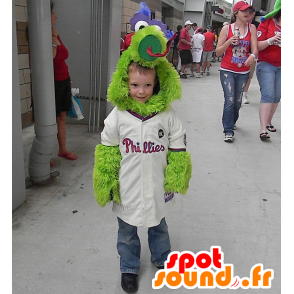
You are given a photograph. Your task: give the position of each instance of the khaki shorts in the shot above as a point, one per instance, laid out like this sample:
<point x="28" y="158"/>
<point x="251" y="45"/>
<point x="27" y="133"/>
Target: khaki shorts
<point x="207" y="55"/>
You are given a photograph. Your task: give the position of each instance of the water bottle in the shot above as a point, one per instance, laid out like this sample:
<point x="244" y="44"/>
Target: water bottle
<point x="278" y="43"/>
<point x="236" y="33"/>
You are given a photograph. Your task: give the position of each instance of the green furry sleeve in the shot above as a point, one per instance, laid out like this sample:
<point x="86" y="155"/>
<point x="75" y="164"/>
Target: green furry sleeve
<point x="106" y="174"/>
<point x="178" y="172"/>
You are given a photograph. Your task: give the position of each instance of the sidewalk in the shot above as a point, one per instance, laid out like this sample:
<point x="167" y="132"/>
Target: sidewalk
<point x="63" y="242"/>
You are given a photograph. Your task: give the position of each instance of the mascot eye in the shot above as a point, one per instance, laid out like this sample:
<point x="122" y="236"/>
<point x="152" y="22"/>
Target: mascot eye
<point x="158" y="27"/>
<point x="140" y="24"/>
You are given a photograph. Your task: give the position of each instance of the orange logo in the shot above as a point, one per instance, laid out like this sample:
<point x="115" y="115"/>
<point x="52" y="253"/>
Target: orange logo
<point x="206" y="270"/>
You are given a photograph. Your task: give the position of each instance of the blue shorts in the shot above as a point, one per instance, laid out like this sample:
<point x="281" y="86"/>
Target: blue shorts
<point x="269" y="78"/>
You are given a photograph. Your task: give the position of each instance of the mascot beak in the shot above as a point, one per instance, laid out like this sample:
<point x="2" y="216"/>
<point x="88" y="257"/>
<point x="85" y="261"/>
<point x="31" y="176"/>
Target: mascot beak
<point x="168" y="44"/>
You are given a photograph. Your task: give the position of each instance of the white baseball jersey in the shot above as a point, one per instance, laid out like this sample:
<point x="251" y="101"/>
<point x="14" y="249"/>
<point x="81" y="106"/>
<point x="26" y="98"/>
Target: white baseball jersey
<point x="143" y="143"/>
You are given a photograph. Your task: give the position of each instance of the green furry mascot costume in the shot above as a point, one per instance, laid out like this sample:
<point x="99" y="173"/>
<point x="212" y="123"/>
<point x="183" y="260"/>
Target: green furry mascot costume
<point x="277" y="8"/>
<point x="148" y="48"/>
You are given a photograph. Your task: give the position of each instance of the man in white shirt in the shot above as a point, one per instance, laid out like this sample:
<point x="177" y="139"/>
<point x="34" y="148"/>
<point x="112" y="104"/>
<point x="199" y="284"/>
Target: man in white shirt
<point x="198" y="43"/>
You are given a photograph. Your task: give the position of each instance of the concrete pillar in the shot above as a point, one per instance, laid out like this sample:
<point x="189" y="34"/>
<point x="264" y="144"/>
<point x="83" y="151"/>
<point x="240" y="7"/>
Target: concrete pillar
<point x="40" y="40"/>
<point x="113" y="44"/>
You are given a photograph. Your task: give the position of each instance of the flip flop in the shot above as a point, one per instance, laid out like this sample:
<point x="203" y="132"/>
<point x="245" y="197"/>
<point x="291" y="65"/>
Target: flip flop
<point x="264" y="136"/>
<point x="271" y="128"/>
<point x="68" y="155"/>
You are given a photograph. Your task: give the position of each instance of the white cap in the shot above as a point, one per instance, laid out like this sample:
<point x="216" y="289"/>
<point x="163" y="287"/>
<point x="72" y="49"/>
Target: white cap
<point x="188" y="22"/>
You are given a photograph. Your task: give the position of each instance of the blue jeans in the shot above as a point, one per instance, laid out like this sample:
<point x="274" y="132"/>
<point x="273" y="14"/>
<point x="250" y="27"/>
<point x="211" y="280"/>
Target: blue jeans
<point x="129" y="246"/>
<point x="269" y="78"/>
<point x="233" y="85"/>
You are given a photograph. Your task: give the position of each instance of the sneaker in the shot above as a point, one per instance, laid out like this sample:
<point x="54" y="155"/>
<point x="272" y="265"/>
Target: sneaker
<point x="192" y="75"/>
<point x="188" y="72"/>
<point x="244" y="98"/>
<point x="208" y="73"/>
<point x="199" y="75"/>
<point x="229" y="138"/>
<point x="183" y="76"/>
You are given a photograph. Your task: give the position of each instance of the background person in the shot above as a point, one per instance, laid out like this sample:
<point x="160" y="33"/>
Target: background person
<point x="128" y="40"/>
<point x="169" y="32"/>
<point x="268" y="70"/>
<point x="62" y="85"/>
<point x="175" y="57"/>
<point x="198" y="43"/>
<point x="235" y="64"/>
<point x="195" y="28"/>
<point x="185" y="48"/>
<point x="207" y="50"/>
<point x="214" y="46"/>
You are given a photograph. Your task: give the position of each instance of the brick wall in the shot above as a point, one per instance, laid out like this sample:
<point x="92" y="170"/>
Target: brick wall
<point x="23" y="62"/>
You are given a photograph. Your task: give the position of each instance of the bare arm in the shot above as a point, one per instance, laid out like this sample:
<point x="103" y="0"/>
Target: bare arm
<point x="55" y="41"/>
<point x="253" y="40"/>
<point x="253" y="46"/>
<point x="186" y="42"/>
<point x="223" y="43"/>
<point x="261" y="45"/>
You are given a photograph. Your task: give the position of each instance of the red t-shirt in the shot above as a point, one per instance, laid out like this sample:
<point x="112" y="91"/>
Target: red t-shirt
<point x="271" y="54"/>
<point x="128" y="39"/>
<point x="209" y="40"/>
<point x="234" y="57"/>
<point x="184" y="35"/>
<point x="60" y="66"/>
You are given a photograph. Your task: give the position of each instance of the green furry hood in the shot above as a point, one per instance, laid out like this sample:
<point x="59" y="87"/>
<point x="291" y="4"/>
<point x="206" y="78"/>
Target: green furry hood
<point x="169" y="82"/>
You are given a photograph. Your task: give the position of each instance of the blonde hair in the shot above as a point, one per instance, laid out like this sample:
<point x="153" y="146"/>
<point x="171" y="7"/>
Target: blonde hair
<point x="136" y="67"/>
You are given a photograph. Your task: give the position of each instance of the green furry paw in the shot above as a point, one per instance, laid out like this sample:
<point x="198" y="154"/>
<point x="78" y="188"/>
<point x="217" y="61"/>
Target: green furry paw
<point x="106" y="174"/>
<point x="178" y="172"/>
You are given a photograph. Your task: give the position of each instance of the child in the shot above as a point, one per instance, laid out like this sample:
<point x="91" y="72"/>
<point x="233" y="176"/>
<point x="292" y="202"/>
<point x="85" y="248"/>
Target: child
<point x="142" y="159"/>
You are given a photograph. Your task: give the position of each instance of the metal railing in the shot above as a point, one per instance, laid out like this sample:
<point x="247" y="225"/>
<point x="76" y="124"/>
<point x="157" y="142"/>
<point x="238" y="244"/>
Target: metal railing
<point x="96" y="33"/>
